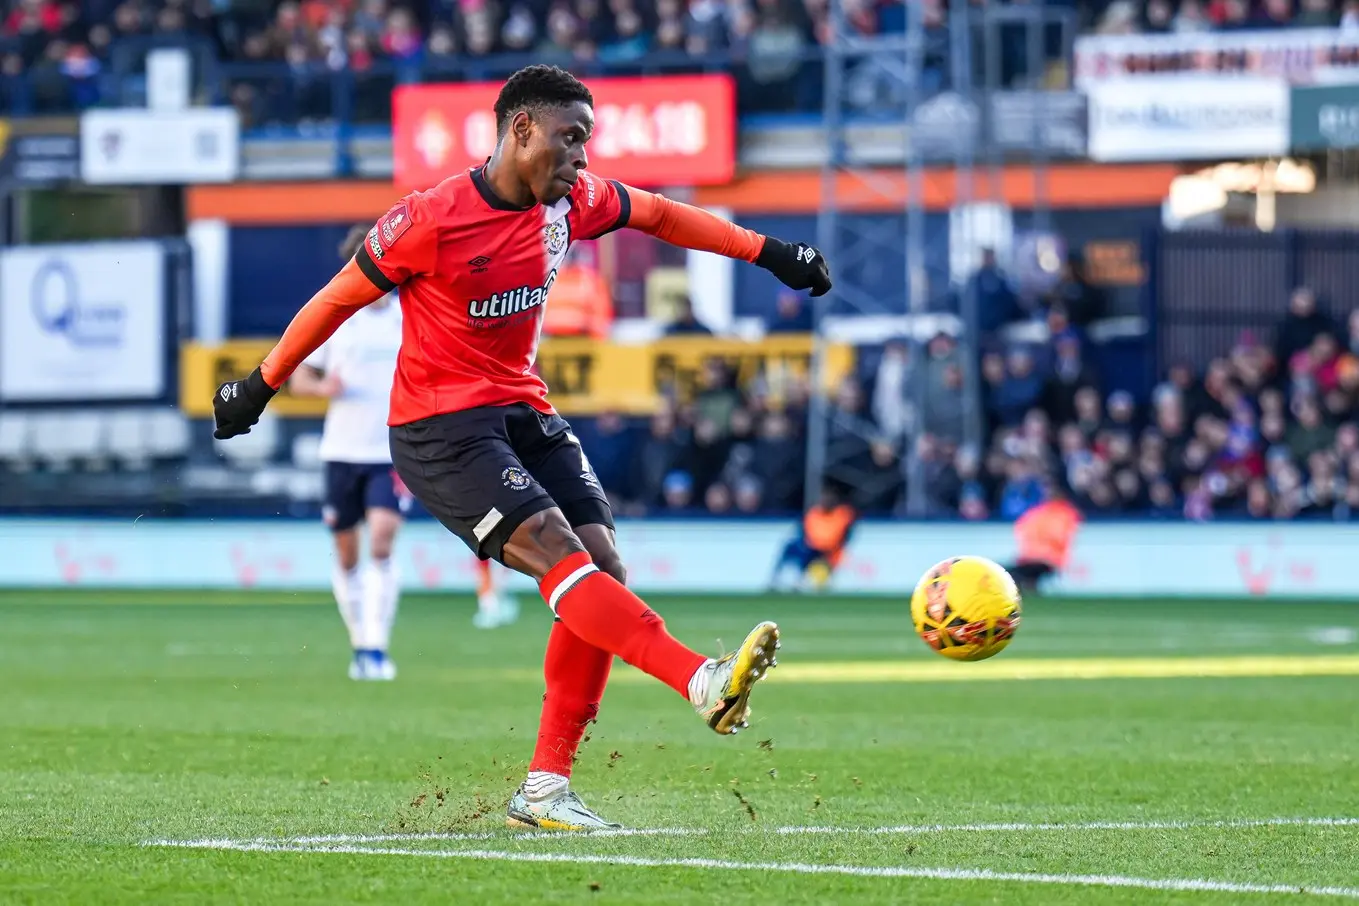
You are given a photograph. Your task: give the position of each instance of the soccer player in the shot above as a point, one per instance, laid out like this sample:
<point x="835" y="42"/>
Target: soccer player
<point x="354" y="369"/>
<point x="494" y="607"/>
<point x="819" y="545"/>
<point x="472" y="432"/>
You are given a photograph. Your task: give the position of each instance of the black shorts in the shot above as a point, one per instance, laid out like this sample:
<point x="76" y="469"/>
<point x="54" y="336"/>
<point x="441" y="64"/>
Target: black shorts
<point x="482" y="472"/>
<point x="352" y="489"/>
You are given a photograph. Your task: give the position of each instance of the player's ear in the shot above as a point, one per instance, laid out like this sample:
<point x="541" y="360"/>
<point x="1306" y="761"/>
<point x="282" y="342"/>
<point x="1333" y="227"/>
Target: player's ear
<point x="521" y="127"/>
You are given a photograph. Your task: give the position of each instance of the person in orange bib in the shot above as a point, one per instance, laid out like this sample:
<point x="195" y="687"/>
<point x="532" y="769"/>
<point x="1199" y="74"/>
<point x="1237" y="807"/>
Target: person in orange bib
<point x="819" y="545"/>
<point x="1044" y="535"/>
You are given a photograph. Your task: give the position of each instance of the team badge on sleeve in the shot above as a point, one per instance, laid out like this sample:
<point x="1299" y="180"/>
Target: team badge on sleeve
<point x="389" y="229"/>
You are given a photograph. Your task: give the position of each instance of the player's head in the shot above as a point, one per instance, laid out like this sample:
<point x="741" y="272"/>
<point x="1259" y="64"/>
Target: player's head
<point x="544" y="116"/>
<point x="350" y="246"/>
<point x="832" y="494"/>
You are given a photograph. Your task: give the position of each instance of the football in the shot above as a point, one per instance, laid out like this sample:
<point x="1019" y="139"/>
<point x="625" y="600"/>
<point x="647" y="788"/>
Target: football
<point x="966" y="608"/>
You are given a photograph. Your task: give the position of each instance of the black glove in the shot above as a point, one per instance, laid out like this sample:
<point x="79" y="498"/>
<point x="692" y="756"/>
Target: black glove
<point x="239" y="404"/>
<point x="798" y="266"/>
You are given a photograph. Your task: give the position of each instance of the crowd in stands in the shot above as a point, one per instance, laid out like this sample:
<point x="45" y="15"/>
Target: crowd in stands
<point x="1127" y="17"/>
<point x="729" y="447"/>
<point x="61" y="48"/>
<point x="1267" y="431"/>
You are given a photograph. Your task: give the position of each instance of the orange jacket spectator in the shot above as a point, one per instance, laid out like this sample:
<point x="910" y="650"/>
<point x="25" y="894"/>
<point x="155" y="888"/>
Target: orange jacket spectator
<point x="1045" y="533"/>
<point x="826" y="530"/>
<point x="581" y="304"/>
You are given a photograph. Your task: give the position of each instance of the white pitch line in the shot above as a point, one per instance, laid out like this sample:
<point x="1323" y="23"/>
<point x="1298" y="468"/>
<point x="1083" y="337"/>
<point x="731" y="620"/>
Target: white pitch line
<point x="1091" y="825"/>
<point x="341" y="839"/>
<point x="554" y="836"/>
<point x="869" y="871"/>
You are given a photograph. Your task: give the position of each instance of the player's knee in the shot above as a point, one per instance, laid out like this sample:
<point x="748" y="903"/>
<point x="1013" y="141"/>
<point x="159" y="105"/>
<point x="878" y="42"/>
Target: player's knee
<point x="540" y="542"/>
<point x="609" y="562"/>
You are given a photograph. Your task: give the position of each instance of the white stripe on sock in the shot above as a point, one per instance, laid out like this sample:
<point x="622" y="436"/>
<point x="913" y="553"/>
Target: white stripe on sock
<point x="542" y="784"/>
<point x="568" y="583"/>
<point x="698" y="683"/>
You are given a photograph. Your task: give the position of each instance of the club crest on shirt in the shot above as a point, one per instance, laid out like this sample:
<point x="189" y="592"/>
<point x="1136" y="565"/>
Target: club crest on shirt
<point x="555" y="237"/>
<point x="515" y="478"/>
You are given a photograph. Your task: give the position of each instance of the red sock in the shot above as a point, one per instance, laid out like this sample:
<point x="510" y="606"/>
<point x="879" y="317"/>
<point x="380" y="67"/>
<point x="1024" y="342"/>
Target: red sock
<point x="598" y="608"/>
<point x="576" y="673"/>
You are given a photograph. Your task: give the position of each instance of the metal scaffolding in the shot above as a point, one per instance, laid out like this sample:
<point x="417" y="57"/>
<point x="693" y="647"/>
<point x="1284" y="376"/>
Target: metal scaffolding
<point x="943" y="68"/>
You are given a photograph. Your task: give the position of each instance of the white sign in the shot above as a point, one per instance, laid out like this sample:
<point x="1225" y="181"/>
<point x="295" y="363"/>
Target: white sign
<point x="1285" y="560"/>
<point x="1187" y="118"/>
<point x="1298" y="56"/>
<point x="82" y="322"/>
<point x="169" y="78"/>
<point x="151" y="147"/>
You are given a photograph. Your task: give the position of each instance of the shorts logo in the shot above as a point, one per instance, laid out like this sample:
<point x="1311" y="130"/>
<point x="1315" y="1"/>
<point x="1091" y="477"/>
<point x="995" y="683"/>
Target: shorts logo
<point x="515" y="478"/>
<point x="328" y="515"/>
<point x="554" y="237"/>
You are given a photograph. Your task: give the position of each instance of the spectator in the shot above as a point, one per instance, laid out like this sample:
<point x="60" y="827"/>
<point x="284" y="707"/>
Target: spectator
<point x="678" y="490"/>
<point x="779" y="463"/>
<point x="748" y="495"/>
<point x="945" y="405"/>
<point x="891" y="390"/>
<point x="1310" y="434"/>
<point x="1018" y="391"/>
<point x="1069" y="374"/>
<point x="1316" y="14"/>
<point x="1300" y="326"/>
<point x="1191" y="19"/>
<point x="1023" y="489"/>
<point x="717" y="499"/>
<point x="1158" y="17"/>
<point x="717" y="399"/>
<point x="611" y="455"/>
<point x="1074" y="295"/>
<point x="997" y="304"/>
<point x="791" y="315"/>
<point x="662" y="453"/>
<point x="686" y="323"/>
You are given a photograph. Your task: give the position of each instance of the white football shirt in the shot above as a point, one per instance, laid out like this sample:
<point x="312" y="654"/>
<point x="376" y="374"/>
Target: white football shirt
<point x="362" y="355"/>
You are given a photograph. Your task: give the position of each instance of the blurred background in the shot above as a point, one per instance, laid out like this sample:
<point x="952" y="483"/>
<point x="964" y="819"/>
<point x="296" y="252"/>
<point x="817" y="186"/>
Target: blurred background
<point x="1108" y="247"/>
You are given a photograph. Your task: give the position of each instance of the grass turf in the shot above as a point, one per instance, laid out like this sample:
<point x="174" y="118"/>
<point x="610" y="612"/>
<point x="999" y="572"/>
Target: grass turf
<point x="128" y="717"/>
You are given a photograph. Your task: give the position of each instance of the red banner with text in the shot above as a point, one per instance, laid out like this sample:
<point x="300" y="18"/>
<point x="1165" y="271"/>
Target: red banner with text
<point x="656" y="131"/>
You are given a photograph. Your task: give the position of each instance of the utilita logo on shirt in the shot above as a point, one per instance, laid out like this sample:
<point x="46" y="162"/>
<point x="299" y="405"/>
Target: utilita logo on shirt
<point x="512" y="307"/>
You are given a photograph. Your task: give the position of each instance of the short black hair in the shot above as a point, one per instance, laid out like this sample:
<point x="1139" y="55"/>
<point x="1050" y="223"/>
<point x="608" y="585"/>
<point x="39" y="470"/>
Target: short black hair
<point x="538" y="87"/>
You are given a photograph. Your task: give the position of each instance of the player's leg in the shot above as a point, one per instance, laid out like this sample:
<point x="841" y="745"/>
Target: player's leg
<point x="342" y="512"/>
<point x="589" y="597"/>
<point x="488" y="608"/>
<point x="794" y="558"/>
<point x="382" y="587"/>
<point x="575" y="674"/>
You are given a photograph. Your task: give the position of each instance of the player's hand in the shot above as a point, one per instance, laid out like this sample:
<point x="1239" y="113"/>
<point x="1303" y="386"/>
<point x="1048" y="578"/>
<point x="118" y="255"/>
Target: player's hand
<point x="238" y="405"/>
<point x="331" y="387"/>
<point x="797" y="265"/>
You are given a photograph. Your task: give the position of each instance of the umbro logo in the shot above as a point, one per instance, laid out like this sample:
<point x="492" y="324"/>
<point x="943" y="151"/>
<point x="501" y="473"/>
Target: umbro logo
<point x="478" y="264"/>
<point x="228" y="391"/>
<point x="807" y="254"/>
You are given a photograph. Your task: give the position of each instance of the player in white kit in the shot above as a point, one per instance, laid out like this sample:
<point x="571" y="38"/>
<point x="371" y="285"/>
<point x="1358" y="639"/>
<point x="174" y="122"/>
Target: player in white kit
<point x="354" y="370"/>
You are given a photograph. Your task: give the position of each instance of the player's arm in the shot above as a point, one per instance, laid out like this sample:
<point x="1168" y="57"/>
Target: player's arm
<point x="797" y="265"/>
<point x="239" y="404"/>
<point x="402" y="244"/>
<point x="309" y="381"/>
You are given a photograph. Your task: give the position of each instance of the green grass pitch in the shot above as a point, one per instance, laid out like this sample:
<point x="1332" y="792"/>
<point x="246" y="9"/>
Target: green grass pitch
<point x="1086" y="764"/>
